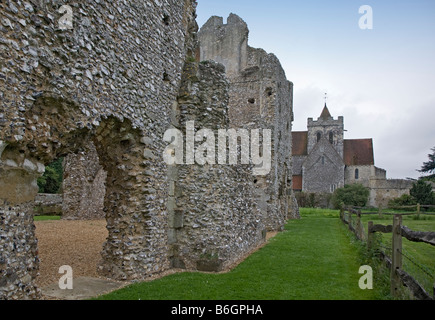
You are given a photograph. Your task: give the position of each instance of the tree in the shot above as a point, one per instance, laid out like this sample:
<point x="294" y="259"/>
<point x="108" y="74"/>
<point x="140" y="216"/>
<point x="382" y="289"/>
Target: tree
<point x="422" y="192"/>
<point x="429" y="167"/>
<point x="51" y="181"/>
<point x="351" y="195"/>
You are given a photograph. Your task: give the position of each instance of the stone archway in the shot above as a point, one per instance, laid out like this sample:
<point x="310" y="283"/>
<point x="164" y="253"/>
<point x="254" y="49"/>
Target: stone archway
<point x="136" y="245"/>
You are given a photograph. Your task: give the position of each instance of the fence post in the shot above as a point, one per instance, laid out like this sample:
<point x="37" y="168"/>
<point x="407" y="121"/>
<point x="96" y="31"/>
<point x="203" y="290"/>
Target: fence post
<point x="359" y="226"/>
<point x="370" y="236"/>
<point x="380" y="211"/>
<point x="418" y="210"/>
<point x="396" y="259"/>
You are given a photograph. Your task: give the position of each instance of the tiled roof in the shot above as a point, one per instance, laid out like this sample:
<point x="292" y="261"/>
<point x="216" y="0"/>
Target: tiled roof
<point x="300" y="143"/>
<point x="358" y="152"/>
<point x="297" y="182"/>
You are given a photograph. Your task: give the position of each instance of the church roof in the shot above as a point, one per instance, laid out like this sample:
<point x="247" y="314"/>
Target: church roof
<point x="297" y="182"/>
<point x="300" y="143"/>
<point x="359" y="152"/>
<point x="325" y="113"/>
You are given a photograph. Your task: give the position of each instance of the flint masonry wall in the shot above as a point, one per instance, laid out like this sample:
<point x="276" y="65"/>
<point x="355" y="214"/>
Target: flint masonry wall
<point x="384" y="190"/>
<point x="84" y="186"/>
<point x="119" y="79"/>
<point x="214" y="218"/>
<point x="112" y="80"/>
<point x="260" y="97"/>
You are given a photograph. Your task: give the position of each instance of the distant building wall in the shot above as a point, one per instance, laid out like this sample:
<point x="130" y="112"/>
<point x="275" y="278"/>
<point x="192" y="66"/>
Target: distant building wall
<point x="359" y="174"/>
<point x="383" y="190"/>
<point x="48" y="204"/>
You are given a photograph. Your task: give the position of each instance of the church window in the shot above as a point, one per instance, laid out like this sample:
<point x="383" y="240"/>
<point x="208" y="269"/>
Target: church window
<point x="331" y="137"/>
<point x="319" y="136"/>
<point x="323" y="160"/>
<point x="356" y="174"/>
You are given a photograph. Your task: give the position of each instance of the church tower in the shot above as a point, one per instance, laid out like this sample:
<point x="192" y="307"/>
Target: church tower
<point x="328" y="128"/>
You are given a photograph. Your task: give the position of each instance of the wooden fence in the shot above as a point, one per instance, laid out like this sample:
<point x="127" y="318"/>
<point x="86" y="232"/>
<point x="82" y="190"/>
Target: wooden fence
<point x="352" y="217"/>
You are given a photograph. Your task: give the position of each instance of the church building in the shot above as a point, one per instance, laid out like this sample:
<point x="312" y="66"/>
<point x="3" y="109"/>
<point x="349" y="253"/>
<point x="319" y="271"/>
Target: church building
<point x="324" y="161"/>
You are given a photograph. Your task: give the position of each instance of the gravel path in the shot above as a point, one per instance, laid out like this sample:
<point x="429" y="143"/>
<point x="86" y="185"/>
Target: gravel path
<point x="78" y="244"/>
<point x="74" y="243"/>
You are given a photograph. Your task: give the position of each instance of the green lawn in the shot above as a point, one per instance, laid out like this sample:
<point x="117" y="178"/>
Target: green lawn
<point x="420" y="257"/>
<point x="314" y="259"/>
<point x="46" y="218"/>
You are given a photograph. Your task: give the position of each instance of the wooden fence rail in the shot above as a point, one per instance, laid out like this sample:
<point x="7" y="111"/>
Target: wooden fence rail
<point x="352" y="216"/>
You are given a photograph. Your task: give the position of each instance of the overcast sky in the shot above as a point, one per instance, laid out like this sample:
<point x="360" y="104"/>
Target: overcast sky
<point x="381" y="80"/>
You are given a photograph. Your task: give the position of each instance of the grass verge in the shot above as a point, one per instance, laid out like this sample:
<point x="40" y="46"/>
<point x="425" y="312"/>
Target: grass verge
<point x="46" y="218"/>
<point x="313" y="259"/>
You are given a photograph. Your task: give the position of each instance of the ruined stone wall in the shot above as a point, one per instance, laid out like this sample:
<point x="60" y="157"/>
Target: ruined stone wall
<point x="48" y="204"/>
<point x="113" y="84"/>
<point x="83" y="186"/>
<point x="19" y="261"/>
<point x="213" y="217"/>
<point x="260" y="97"/>
<point x="111" y="79"/>
<point x="384" y="190"/>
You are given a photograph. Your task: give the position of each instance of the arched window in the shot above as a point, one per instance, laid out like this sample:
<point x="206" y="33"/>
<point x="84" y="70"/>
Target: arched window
<point x="356" y="174"/>
<point x="331" y="137"/>
<point x="319" y="136"/>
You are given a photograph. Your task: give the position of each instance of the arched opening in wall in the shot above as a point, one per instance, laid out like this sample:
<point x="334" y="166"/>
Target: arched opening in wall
<point x="356" y="174"/>
<point x="60" y="137"/>
<point x="56" y="128"/>
<point x="77" y="238"/>
<point x="331" y="138"/>
<point x="251" y="100"/>
<point x="319" y="136"/>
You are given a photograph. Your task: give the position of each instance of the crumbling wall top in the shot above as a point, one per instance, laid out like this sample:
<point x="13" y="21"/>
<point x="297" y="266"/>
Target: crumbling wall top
<point x="226" y="43"/>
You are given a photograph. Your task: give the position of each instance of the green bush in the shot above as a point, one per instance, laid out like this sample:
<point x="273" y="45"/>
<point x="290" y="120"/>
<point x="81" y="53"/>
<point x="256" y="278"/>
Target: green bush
<point x="351" y="195"/>
<point x="404" y="200"/>
<point x="51" y="181"/>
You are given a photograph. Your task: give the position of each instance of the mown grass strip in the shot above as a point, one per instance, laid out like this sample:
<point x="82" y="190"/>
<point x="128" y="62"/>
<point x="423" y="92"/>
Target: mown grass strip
<point x="314" y="259"/>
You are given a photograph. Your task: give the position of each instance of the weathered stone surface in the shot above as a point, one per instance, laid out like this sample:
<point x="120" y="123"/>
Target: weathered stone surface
<point x="214" y="214"/>
<point x="109" y="88"/>
<point x="260" y="97"/>
<point x="112" y="79"/>
<point x="84" y="186"/>
<point x="48" y="204"/>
